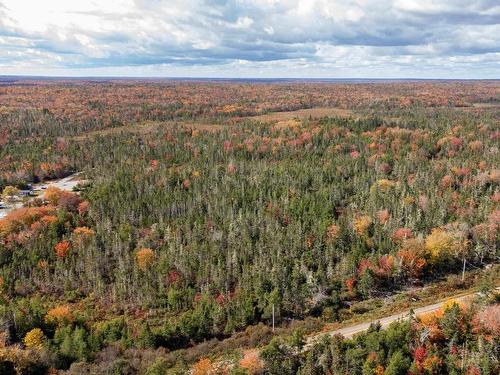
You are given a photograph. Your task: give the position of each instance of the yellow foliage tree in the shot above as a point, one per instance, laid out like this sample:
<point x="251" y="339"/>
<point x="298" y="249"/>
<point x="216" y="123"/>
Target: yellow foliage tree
<point x="83" y="231"/>
<point x="53" y="194"/>
<point x="448" y="304"/>
<point x="382" y="185"/>
<point x="361" y="224"/>
<point x="145" y="257"/>
<point x="82" y="235"/>
<point x="34" y="339"/>
<point x="441" y="244"/>
<point x="10" y="193"/>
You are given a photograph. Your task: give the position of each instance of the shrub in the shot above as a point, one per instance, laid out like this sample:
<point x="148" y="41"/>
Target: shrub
<point x="401" y="234"/>
<point x="159" y="367"/>
<point x="383" y="216"/>
<point x="251" y="362"/>
<point x="202" y="367"/>
<point x="147" y="338"/>
<point x="488" y="321"/>
<point x="14" y="360"/>
<point x="332" y="233"/>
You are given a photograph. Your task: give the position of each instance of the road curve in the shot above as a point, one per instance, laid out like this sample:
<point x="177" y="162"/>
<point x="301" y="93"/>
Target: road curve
<point x="350" y="331"/>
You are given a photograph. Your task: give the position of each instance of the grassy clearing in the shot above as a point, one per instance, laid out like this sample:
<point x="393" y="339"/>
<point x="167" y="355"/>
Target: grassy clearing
<point x="303" y="114"/>
<point x="280" y="119"/>
<point x="149" y="127"/>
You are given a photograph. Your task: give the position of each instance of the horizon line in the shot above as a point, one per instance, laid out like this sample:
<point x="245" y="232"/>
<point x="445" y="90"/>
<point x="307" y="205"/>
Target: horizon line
<point x="218" y="78"/>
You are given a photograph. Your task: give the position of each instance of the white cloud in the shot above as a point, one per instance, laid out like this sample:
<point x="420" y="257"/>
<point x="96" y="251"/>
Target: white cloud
<point x="243" y="22"/>
<point x="271" y="37"/>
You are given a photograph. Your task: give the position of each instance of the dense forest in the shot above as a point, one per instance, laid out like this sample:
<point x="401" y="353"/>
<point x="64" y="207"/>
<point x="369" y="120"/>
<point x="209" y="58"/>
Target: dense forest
<point x="196" y="222"/>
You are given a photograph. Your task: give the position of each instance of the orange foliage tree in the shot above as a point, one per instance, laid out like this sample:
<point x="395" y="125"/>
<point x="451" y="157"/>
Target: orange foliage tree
<point x="251" y="362"/>
<point x="202" y="367"/>
<point x="59" y="315"/>
<point x="23" y="217"/>
<point x="62" y="248"/>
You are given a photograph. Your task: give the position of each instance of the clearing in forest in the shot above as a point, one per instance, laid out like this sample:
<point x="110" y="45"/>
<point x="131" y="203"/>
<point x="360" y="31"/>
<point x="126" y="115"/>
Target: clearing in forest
<point x="303" y="114"/>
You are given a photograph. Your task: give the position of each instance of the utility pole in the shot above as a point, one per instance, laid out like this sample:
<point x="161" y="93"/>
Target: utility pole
<point x="463" y="271"/>
<point x="273" y="317"/>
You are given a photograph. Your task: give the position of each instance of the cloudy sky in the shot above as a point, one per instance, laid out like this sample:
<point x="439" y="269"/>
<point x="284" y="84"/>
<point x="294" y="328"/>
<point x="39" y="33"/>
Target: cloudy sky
<point x="252" y="38"/>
